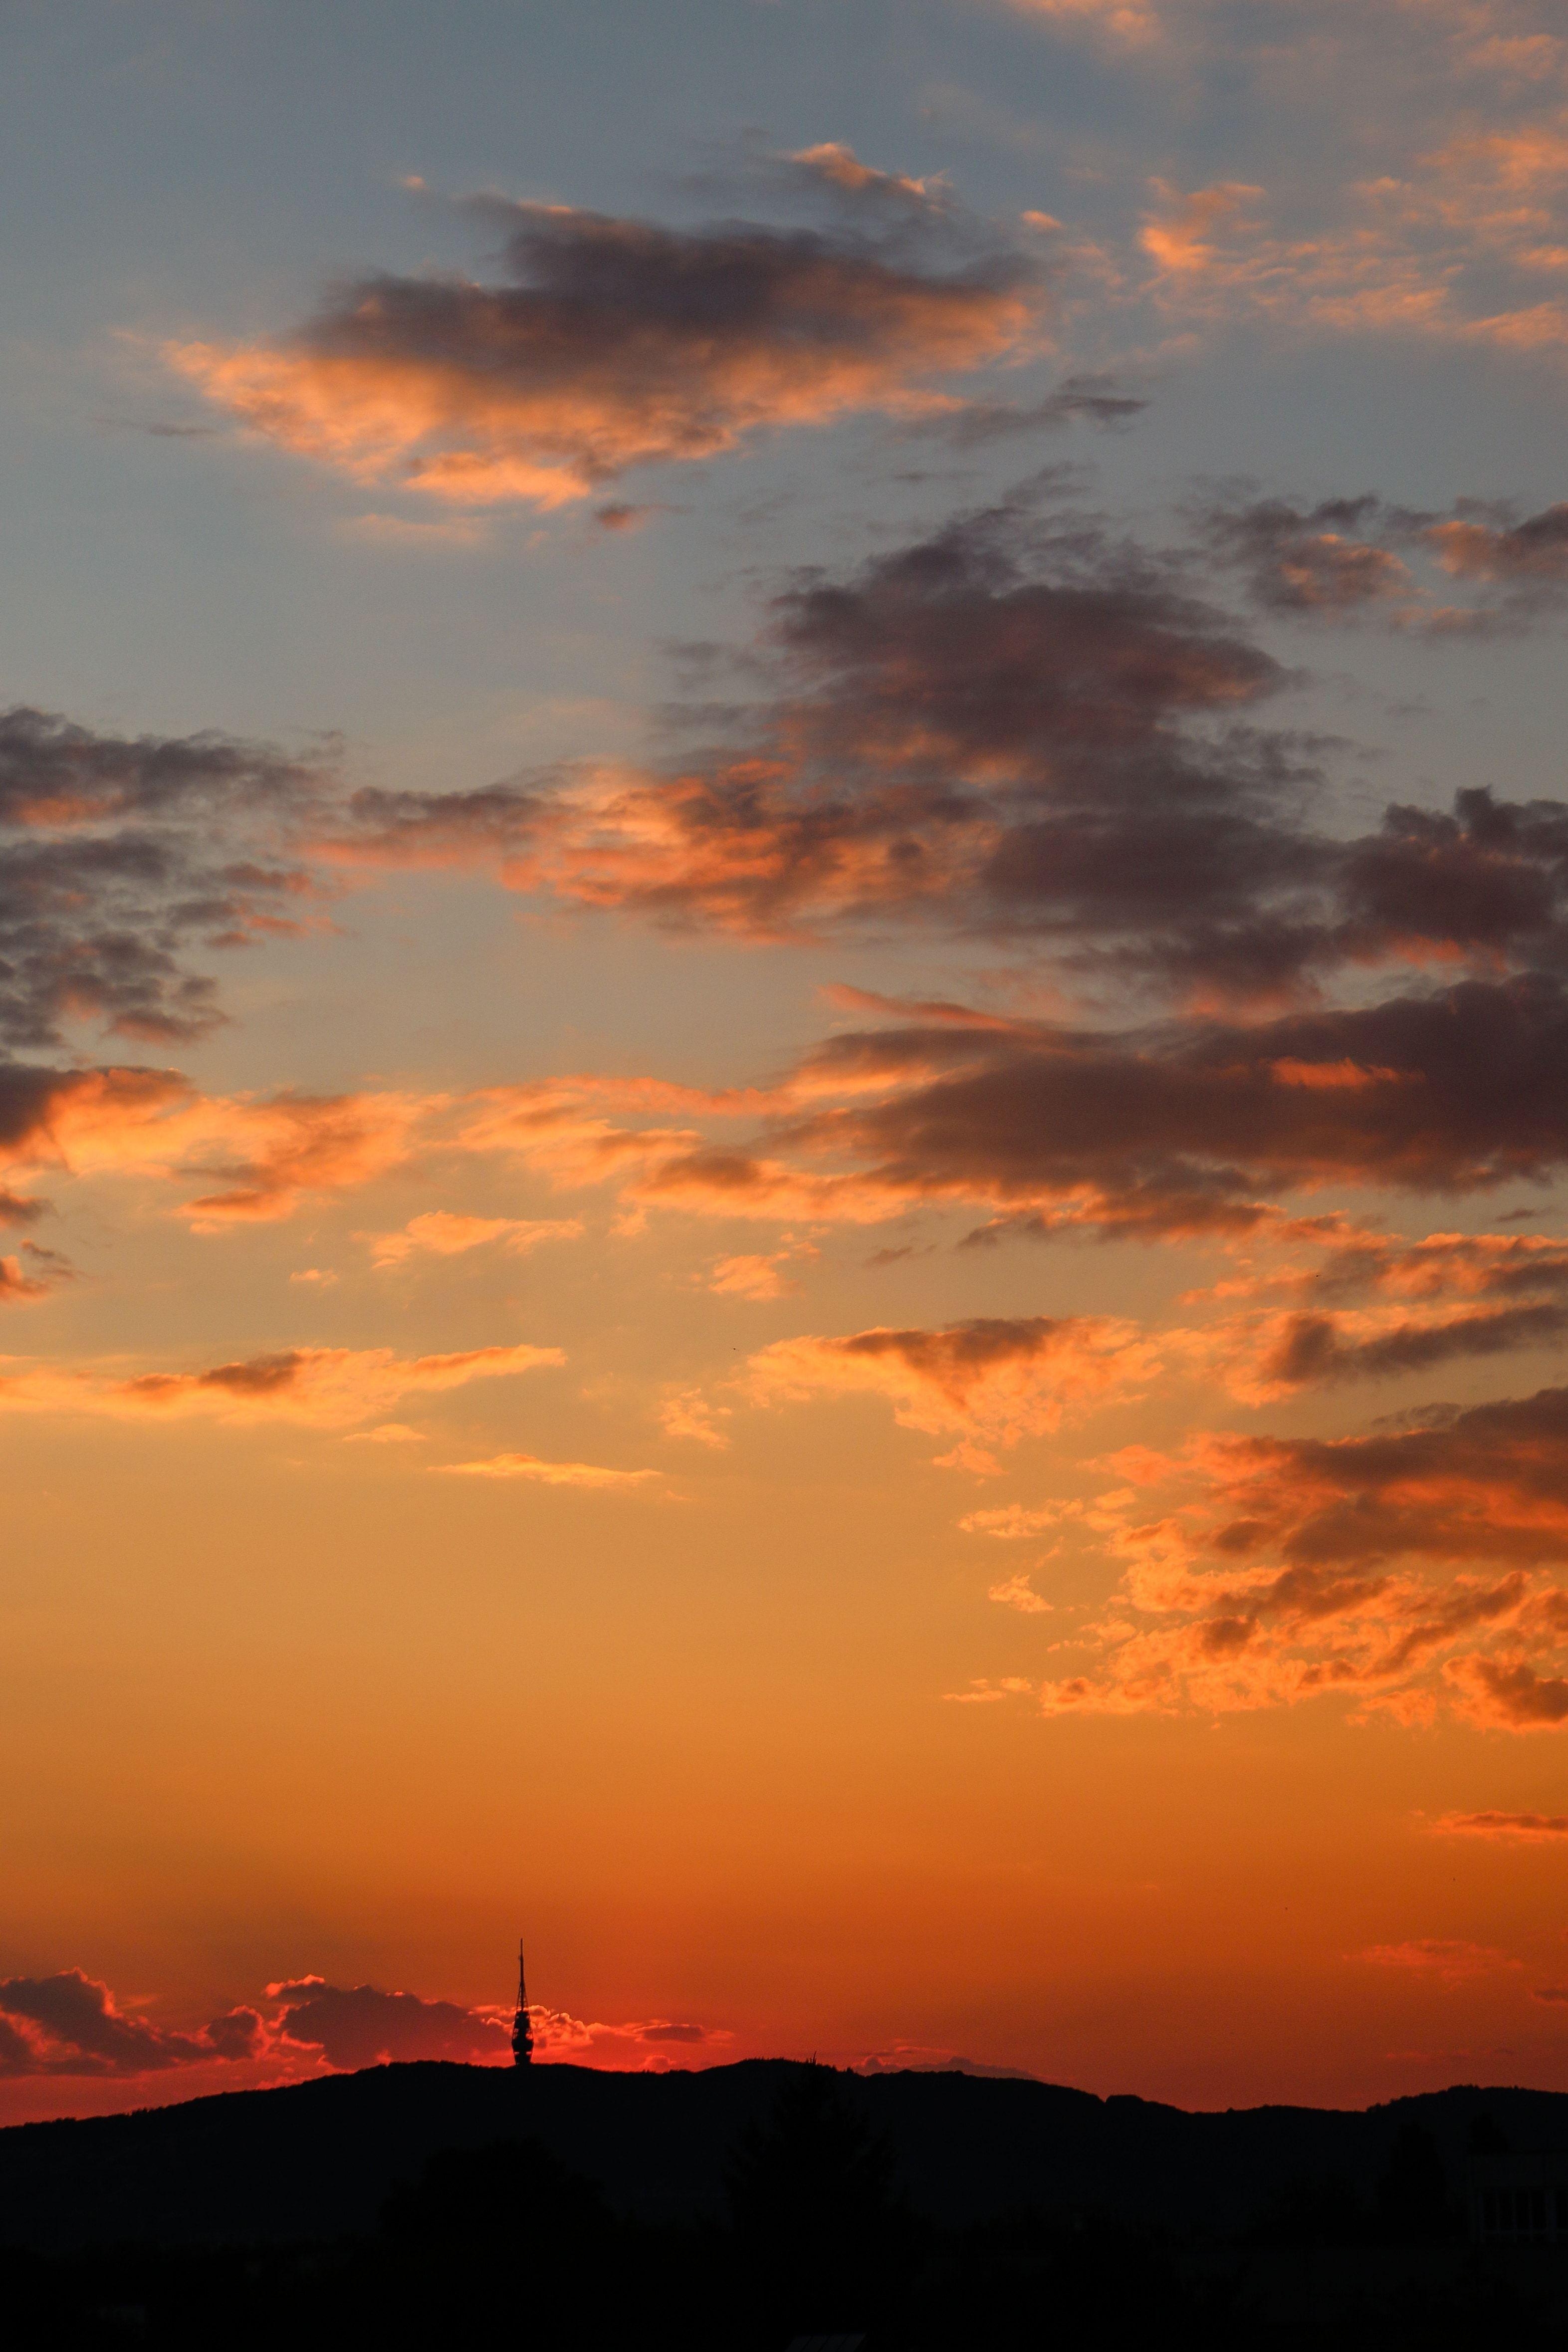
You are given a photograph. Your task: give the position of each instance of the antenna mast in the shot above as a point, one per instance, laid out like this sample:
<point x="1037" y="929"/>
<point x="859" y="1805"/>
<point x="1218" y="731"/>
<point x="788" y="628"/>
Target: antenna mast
<point x="522" y="2028"/>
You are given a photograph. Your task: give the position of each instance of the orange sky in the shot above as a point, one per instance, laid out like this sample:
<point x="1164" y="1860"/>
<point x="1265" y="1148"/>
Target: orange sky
<point x="782" y="1049"/>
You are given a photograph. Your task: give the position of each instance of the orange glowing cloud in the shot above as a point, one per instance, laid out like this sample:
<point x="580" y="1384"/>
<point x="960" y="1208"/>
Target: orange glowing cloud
<point x="690" y="1414"/>
<point x="1442" y="1299"/>
<point x="993" y="1381"/>
<point x="755" y="1276"/>
<point x="443" y="1233"/>
<point x="1011" y="1523"/>
<point x="261" y="1156"/>
<point x="548" y="1473"/>
<point x="1459" y="241"/>
<point x="1131" y="22"/>
<point x="328" y="1388"/>
<point x="1528" y="1827"/>
<point x="613" y="344"/>
<point x="654" y="2046"/>
<point x="1018" y="1593"/>
<point x="1450" y="1959"/>
<point x="1403" y="1571"/>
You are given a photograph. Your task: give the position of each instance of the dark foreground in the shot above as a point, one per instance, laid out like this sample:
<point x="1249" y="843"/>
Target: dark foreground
<point x="452" y="2206"/>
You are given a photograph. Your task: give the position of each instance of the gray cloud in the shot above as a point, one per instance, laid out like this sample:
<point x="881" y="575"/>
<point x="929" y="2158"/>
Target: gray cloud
<point x="611" y="342"/>
<point x="358" y="2025"/>
<point x="68" y="2025"/>
<point x="1030" y="731"/>
<point x="120" y="857"/>
<point x="1353" y="558"/>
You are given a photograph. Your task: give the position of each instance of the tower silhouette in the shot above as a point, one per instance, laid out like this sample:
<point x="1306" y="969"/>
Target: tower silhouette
<point x="522" y="2031"/>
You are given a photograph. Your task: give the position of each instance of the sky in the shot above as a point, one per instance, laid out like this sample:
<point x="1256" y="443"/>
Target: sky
<point x="784" y="1040"/>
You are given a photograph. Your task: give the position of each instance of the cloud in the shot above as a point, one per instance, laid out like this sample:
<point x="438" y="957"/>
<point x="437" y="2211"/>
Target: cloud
<point x="690" y="1414"/>
<point x="547" y="1473"/>
<point x="326" y="1387"/>
<point x="1528" y="557"/>
<point x="758" y="1277"/>
<point x="1197" y="1126"/>
<point x="1012" y="1523"/>
<point x="1526" y="1827"/>
<point x="1456" y="238"/>
<point x="1443" y="1300"/>
<point x="1100" y="399"/>
<point x="1337" y="560"/>
<point x="443" y="1233"/>
<point x="652" y="2047"/>
<point x="1313" y="561"/>
<point x="1402" y="1570"/>
<point x="1512" y="1696"/>
<point x="1450" y="1959"/>
<point x="993" y="1381"/>
<point x="36" y="1274"/>
<point x="1023" y="729"/>
<point x="358" y="2025"/>
<point x="120" y="856"/>
<point x="1018" y="1593"/>
<point x="977" y="730"/>
<point x="609" y="343"/>
<point x="253" y="1157"/>
<point x="1132" y="22"/>
<point x="69" y="2024"/>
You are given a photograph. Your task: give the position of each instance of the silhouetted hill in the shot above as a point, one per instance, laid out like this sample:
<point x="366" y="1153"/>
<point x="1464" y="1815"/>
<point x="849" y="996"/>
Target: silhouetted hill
<point x="317" y="2160"/>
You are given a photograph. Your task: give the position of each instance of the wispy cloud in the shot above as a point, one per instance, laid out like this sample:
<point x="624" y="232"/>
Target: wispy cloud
<point x="328" y="1387"/>
<point x="548" y="1473"/>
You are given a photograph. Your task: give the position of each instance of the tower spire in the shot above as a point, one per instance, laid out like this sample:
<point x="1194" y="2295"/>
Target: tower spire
<point x="522" y="2030"/>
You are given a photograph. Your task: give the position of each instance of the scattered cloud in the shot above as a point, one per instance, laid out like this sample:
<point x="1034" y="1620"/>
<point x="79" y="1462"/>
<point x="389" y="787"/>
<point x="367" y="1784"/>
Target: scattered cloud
<point x="1401" y="1571"/>
<point x="70" y="2025"/>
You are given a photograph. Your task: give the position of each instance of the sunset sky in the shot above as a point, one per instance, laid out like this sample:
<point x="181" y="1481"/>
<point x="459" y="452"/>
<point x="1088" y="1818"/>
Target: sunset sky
<point x="784" y="1039"/>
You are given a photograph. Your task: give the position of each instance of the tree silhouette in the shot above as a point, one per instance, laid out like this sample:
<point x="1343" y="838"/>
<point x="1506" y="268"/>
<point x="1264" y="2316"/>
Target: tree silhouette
<point x="1413" y="2206"/>
<point x="810" y="2197"/>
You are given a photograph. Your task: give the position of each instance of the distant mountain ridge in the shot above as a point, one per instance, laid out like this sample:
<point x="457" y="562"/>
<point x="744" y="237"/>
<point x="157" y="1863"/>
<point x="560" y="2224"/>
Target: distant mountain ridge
<point x="316" y="2160"/>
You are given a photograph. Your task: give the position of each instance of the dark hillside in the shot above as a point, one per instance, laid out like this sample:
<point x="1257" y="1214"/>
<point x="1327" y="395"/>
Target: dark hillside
<point x="317" y="2160"/>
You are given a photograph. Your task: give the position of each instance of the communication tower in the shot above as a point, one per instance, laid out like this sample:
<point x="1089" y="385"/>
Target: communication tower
<point x="522" y="2030"/>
